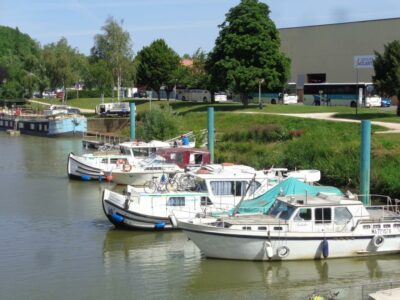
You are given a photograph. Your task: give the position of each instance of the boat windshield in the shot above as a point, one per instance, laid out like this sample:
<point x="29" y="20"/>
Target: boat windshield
<point x="281" y="210"/>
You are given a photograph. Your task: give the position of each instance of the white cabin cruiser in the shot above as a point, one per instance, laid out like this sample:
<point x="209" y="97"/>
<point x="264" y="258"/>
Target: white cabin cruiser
<point x="226" y="184"/>
<point x="98" y="165"/>
<point x="139" y="173"/>
<point x="138" y="209"/>
<point x="300" y="227"/>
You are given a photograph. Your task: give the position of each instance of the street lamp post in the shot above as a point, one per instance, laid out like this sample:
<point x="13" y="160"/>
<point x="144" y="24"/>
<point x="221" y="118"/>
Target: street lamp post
<point x="259" y="93"/>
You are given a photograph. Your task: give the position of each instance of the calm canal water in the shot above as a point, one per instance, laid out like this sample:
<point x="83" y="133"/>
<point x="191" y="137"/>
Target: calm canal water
<point x="56" y="243"/>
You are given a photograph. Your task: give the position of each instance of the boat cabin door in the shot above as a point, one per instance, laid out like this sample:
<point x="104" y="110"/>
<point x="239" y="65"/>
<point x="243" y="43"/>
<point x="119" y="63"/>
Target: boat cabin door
<point x="302" y="221"/>
<point x="323" y="219"/>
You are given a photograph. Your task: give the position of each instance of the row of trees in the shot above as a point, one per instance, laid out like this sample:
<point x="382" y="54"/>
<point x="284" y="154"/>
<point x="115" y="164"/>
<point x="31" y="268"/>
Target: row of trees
<point x="246" y="51"/>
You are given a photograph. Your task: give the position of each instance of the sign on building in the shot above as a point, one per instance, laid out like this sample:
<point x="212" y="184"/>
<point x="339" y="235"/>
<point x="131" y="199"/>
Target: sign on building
<point x="364" y="61"/>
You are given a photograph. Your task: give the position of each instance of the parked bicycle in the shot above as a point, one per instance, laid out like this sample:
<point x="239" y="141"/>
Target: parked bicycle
<point x="187" y="182"/>
<point x="166" y="183"/>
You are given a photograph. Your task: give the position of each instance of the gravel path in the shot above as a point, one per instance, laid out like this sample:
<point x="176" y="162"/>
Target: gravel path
<point x="329" y="116"/>
<point x="84" y="110"/>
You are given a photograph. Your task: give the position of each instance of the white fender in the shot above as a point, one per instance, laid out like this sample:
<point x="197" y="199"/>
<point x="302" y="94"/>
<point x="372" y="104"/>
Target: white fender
<point x="268" y="249"/>
<point x="173" y="221"/>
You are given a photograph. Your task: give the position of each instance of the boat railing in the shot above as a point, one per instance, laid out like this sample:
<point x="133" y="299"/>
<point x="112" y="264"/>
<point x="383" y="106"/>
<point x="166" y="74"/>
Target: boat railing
<point x="384" y="212"/>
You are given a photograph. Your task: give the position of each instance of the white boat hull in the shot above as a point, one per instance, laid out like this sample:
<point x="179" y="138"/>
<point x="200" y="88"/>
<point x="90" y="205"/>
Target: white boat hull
<point x="228" y="244"/>
<point x="150" y="211"/>
<point x="91" y="168"/>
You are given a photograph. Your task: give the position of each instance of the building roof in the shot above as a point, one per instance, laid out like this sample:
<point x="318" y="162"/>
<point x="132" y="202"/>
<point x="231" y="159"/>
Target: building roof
<point x="187" y="62"/>
<point x="343" y="23"/>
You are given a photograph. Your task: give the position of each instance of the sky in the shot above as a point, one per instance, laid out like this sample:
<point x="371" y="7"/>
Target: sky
<point x="186" y="25"/>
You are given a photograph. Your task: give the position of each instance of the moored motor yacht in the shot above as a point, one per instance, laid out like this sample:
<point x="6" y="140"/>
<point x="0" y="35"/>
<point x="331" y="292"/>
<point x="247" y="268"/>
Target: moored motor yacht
<point x="138" y="209"/>
<point x="300" y="227"/>
<point x="99" y="165"/>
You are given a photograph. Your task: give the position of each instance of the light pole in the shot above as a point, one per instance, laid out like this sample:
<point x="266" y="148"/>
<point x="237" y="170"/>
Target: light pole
<point x="259" y="92"/>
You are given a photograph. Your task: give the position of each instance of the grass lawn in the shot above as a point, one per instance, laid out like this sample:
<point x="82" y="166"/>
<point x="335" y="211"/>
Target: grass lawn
<point x="386" y="114"/>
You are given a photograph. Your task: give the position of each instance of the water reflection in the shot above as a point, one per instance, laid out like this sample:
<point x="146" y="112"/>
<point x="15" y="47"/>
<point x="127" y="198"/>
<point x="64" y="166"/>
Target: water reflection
<point x="172" y="255"/>
<point x="294" y="279"/>
<point x="164" y="259"/>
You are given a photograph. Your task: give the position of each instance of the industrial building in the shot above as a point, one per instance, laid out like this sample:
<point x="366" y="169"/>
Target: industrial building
<point x="326" y="53"/>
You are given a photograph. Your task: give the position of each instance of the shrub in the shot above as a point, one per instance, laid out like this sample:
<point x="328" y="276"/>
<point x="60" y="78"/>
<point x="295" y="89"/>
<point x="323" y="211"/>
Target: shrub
<point x="261" y="133"/>
<point x="159" y="123"/>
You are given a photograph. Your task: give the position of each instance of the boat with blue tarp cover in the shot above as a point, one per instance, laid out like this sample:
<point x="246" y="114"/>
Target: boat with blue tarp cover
<point x="303" y="225"/>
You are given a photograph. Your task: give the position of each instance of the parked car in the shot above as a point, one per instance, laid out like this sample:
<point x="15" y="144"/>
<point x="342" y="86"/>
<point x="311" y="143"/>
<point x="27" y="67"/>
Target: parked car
<point x="386" y="102"/>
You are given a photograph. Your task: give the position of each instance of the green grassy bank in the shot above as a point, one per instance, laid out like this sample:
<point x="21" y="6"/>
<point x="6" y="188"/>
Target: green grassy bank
<point x="332" y="147"/>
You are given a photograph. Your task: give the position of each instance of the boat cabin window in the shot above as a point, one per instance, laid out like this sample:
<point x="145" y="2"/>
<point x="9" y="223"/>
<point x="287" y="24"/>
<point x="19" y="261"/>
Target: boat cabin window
<point x="204" y="201"/>
<point x="178" y="157"/>
<point x="281" y="210"/>
<point x="196" y="158"/>
<point x="254" y="185"/>
<point x="125" y="150"/>
<point x="232" y="188"/>
<point x="143" y="152"/>
<point x="176" y="201"/>
<point x="323" y="215"/>
<point x="200" y="186"/>
<point x="303" y="214"/>
<point x="342" y="215"/>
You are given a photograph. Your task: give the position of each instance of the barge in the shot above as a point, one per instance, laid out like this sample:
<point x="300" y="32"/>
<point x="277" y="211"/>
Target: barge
<point x="49" y="124"/>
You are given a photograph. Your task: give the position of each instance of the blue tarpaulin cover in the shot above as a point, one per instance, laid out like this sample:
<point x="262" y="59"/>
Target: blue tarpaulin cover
<point x="288" y="187"/>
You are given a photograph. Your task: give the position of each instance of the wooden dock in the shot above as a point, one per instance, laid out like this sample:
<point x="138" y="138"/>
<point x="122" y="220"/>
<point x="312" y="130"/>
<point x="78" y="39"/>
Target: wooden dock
<point x="391" y="294"/>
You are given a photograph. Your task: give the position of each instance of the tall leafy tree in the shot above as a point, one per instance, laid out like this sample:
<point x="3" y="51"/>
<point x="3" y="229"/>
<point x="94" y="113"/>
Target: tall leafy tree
<point x="157" y="66"/>
<point x="247" y="51"/>
<point x="387" y="71"/>
<point x="98" y="76"/>
<point x="114" y="47"/>
<point x="62" y="64"/>
<point x="21" y="67"/>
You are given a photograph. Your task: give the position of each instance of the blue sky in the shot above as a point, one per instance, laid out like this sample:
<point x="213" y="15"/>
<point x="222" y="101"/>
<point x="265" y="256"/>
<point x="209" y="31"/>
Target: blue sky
<point x="186" y="25"/>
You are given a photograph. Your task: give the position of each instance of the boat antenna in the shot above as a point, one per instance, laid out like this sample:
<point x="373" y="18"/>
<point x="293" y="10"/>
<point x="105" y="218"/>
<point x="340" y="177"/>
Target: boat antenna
<point x="244" y="195"/>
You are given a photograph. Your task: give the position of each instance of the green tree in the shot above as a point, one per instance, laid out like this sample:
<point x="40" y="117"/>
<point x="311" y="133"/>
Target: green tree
<point x="387" y="71"/>
<point x="62" y="64"/>
<point x="157" y="66"/>
<point x="21" y="66"/>
<point x="247" y="51"/>
<point x="114" y="47"/>
<point x="99" y="77"/>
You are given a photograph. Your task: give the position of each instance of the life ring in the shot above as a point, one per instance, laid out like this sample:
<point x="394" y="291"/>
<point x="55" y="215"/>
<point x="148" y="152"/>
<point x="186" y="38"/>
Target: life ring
<point x="378" y="240"/>
<point x="283" y="251"/>
<point x="127" y="167"/>
<point x="120" y="162"/>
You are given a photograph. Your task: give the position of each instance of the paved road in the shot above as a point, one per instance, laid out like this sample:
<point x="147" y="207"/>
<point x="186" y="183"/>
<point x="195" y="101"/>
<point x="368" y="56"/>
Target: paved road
<point x="329" y="116"/>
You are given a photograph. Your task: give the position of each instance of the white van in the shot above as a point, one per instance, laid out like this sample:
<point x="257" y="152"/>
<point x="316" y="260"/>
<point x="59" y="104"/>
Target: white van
<point x="199" y="95"/>
<point x="113" y="109"/>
